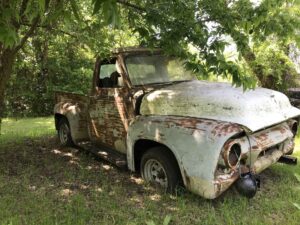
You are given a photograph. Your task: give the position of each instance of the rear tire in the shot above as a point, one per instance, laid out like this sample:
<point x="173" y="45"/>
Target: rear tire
<point x="159" y="166"/>
<point x="64" y="133"/>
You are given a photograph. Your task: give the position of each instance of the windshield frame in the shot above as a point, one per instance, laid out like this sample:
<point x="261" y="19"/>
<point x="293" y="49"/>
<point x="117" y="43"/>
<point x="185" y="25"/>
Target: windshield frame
<point x="154" y="53"/>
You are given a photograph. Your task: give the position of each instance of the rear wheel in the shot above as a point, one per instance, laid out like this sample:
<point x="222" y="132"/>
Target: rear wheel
<point x="64" y="133"/>
<point x="159" y="166"/>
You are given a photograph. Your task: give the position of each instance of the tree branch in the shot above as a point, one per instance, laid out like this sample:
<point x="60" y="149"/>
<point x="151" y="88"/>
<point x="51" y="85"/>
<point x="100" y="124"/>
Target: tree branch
<point x="128" y="4"/>
<point x="50" y="28"/>
<point x="23" y="8"/>
<point x="27" y="34"/>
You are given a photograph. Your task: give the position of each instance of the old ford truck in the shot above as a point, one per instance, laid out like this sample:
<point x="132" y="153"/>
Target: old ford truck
<point x="149" y="114"/>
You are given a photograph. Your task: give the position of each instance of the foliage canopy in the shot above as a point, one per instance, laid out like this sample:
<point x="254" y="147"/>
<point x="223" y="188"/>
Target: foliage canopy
<point x="47" y="45"/>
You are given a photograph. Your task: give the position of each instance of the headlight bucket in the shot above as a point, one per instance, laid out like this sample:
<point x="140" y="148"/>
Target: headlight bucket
<point x="232" y="154"/>
<point x="294" y="128"/>
<point x="293" y="124"/>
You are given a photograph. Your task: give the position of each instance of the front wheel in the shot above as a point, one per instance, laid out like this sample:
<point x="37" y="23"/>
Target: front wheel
<point x="64" y="133"/>
<point x="159" y="166"/>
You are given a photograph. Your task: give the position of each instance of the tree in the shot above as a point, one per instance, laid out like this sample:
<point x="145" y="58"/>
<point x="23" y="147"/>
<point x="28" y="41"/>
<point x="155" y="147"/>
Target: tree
<point x="176" y="25"/>
<point x="19" y="20"/>
<point x="59" y="56"/>
<point x="193" y="30"/>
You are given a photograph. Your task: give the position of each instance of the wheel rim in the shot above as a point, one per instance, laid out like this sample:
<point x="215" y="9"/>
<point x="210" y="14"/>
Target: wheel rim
<point x="155" y="172"/>
<point x="63" y="134"/>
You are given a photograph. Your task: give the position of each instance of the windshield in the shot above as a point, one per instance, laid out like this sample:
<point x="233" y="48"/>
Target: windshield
<point x="156" y="69"/>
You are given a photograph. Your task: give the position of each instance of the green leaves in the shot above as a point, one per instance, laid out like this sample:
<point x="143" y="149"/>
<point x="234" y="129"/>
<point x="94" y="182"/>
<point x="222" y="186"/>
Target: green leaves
<point x="42" y="5"/>
<point x="75" y="9"/>
<point x="109" y="10"/>
<point x="8" y="36"/>
<point x="180" y="27"/>
<point x="97" y="5"/>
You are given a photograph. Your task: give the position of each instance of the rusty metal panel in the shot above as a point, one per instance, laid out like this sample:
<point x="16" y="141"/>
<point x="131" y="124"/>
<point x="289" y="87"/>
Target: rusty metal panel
<point x="198" y="145"/>
<point x="259" y="151"/>
<point x="74" y="107"/>
<point x="255" y="110"/>
<point x="110" y="111"/>
<point x="198" y="121"/>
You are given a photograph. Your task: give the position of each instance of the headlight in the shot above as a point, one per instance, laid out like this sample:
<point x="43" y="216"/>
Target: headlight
<point x="293" y="124"/>
<point x="231" y="154"/>
<point x="294" y="127"/>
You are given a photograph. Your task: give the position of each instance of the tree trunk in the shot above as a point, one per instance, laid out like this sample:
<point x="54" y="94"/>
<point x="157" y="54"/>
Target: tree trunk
<point x="7" y="58"/>
<point x="41" y="56"/>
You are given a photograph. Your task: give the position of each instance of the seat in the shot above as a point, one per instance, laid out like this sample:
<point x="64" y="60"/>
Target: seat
<point x="106" y="82"/>
<point x="114" y="78"/>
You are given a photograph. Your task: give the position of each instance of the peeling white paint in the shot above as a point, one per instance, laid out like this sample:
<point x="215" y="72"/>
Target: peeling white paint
<point x="254" y="109"/>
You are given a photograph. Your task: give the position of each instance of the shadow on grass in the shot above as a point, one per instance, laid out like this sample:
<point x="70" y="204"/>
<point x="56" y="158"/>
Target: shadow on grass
<point x="45" y="157"/>
<point x="44" y="176"/>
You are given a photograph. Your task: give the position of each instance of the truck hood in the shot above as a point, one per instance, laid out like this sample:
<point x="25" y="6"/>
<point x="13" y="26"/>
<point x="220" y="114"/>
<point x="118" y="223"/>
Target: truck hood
<point x="254" y="109"/>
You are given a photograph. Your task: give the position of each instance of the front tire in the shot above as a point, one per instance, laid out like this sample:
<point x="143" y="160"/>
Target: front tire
<point x="159" y="166"/>
<point x="64" y="133"/>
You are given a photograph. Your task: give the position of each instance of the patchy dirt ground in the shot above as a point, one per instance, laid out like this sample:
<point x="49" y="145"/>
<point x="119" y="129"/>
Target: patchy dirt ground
<point x="42" y="183"/>
<point x="51" y="162"/>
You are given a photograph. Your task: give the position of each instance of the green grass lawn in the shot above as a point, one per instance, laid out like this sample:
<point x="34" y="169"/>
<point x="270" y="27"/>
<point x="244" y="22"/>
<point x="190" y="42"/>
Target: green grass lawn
<point x="18" y="130"/>
<point x="41" y="183"/>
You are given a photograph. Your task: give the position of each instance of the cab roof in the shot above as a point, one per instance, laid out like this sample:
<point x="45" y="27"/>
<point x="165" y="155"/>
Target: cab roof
<point x="134" y="50"/>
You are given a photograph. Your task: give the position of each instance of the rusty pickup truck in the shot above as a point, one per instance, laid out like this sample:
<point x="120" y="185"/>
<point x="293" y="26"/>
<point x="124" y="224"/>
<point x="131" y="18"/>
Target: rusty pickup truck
<point x="148" y="113"/>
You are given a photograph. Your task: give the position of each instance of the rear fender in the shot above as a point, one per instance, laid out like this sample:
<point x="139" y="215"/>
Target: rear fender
<point x="77" y="115"/>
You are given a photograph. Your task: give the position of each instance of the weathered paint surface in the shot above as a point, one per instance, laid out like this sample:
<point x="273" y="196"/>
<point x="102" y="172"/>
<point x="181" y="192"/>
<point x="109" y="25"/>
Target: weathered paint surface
<point x="220" y="101"/>
<point x="74" y="108"/>
<point x="198" y="145"/>
<point x="259" y="151"/>
<point x="197" y="121"/>
<point x="110" y="111"/>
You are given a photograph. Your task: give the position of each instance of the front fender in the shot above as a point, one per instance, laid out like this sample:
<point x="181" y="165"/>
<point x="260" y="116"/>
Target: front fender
<point x="196" y="143"/>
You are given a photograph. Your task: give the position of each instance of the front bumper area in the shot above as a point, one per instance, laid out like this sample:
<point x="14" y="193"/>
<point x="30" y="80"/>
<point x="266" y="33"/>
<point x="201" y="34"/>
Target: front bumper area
<point x="259" y="151"/>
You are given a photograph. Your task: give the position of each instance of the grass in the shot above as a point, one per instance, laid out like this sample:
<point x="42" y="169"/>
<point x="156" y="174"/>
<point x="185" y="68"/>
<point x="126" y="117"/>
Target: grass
<point x="19" y="130"/>
<point x="41" y="183"/>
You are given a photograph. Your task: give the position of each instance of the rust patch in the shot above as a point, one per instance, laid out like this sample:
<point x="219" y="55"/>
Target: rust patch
<point x="281" y="129"/>
<point x="222" y="129"/>
<point x="182" y="122"/>
<point x="219" y="128"/>
<point x="262" y="137"/>
<point x="111" y="111"/>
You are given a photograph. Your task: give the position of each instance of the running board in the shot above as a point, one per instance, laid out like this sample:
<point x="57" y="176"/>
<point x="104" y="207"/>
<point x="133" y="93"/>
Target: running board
<point x="105" y="153"/>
